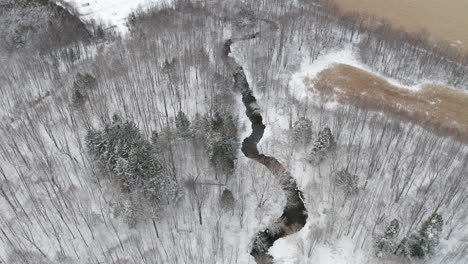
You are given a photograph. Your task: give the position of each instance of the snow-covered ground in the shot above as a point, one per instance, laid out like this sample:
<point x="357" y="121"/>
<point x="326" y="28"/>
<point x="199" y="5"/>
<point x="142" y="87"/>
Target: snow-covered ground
<point x="279" y="104"/>
<point x="112" y="12"/>
<point x="223" y="237"/>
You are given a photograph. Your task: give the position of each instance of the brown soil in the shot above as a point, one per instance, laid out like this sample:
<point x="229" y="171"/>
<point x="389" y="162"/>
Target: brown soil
<point x="441" y="109"/>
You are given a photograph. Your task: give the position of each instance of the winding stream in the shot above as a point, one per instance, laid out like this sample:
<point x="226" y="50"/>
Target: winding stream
<point x="294" y="215"/>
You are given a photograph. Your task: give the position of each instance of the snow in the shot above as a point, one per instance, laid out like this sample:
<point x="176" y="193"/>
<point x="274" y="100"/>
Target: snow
<point x="112" y="12"/>
<point x="343" y="252"/>
<point x="312" y="244"/>
<point x="343" y="56"/>
<point x="291" y="250"/>
<point x="250" y="178"/>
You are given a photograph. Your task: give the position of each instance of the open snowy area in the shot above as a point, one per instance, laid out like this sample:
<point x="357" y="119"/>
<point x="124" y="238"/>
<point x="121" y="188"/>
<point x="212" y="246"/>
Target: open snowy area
<point x="113" y="12"/>
<point x="224" y="132"/>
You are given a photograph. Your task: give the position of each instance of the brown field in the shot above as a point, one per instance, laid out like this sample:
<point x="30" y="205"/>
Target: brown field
<point x="438" y="108"/>
<point x="444" y="20"/>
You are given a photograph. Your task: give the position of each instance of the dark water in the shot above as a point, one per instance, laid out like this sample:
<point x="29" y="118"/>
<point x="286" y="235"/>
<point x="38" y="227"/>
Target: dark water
<point x="294" y="215"/>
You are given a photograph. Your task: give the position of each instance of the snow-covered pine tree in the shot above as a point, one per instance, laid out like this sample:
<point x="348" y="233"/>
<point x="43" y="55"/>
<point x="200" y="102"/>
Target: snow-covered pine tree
<point x="226" y="200"/>
<point x="183" y="125"/>
<point x="385" y="244"/>
<point x="422" y="244"/>
<point x="95" y="142"/>
<point x="84" y="82"/>
<point x="429" y="237"/>
<point x="122" y="148"/>
<point x="200" y="126"/>
<point x="78" y="99"/>
<point x="154" y="137"/>
<point x="302" y="131"/>
<point x="222" y="143"/>
<point x="123" y="172"/>
<point x="325" y="141"/>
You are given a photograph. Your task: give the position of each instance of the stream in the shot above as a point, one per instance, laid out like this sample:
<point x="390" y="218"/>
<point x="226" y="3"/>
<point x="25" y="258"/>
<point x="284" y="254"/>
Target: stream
<point x="294" y="215"/>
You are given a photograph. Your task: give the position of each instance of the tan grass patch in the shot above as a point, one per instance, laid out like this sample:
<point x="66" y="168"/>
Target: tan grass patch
<point x="441" y="109"/>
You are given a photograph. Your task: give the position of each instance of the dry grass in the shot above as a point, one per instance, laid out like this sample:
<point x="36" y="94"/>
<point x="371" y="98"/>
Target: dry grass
<point x="438" y="108"/>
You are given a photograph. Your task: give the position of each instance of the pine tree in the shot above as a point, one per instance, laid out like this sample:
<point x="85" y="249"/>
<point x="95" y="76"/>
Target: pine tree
<point x="95" y="142"/>
<point x="324" y="142"/>
<point x="217" y="122"/>
<point x="123" y="172"/>
<point x="78" y="98"/>
<point x="422" y="244"/>
<point x="393" y="229"/>
<point x="226" y="200"/>
<point x="302" y="131"/>
<point x="222" y="143"/>
<point x="429" y="237"/>
<point x="183" y="125"/>
<point x="200" y="126"/>
<point x="154" y="138"/>
<point x="385" y="243"/>
<point x="81" y="86"/>
<point x="122" y="148"/>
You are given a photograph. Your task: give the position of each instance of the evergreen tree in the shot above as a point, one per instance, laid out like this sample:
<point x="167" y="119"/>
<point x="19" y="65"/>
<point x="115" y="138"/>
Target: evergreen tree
<point x="95" y="142"/>
<point x="422" y="244"/>
<point x="183" y="125"/>
<point x="123" y="172"/>
<point x="226" y="200"/>
<point x="393" y="229"/>
<point x="200" y="126"/>
<point x="429" y="237"/>
<point x="122" y="148"/>
<point x="222" y="143"/>
<point x="217" y="122"/>
<point x="154" y="137"/>
<point x="81" y="86"/>
<point x="324" y="142"/>
<point x="385" y="243"/>
<point x="78" y="98"/>
<point x="302" y="131"/>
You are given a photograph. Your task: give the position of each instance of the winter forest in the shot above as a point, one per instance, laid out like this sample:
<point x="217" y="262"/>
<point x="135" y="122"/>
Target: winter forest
<point x="215" y="132"/>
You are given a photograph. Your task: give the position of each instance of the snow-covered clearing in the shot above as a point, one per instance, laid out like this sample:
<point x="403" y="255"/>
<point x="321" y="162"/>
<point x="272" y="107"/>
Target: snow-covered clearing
<point x="112" y="12"/>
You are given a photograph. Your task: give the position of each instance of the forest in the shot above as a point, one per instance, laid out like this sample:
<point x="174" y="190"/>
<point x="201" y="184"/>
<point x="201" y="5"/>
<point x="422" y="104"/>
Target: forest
<point x="144" y="147"/>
